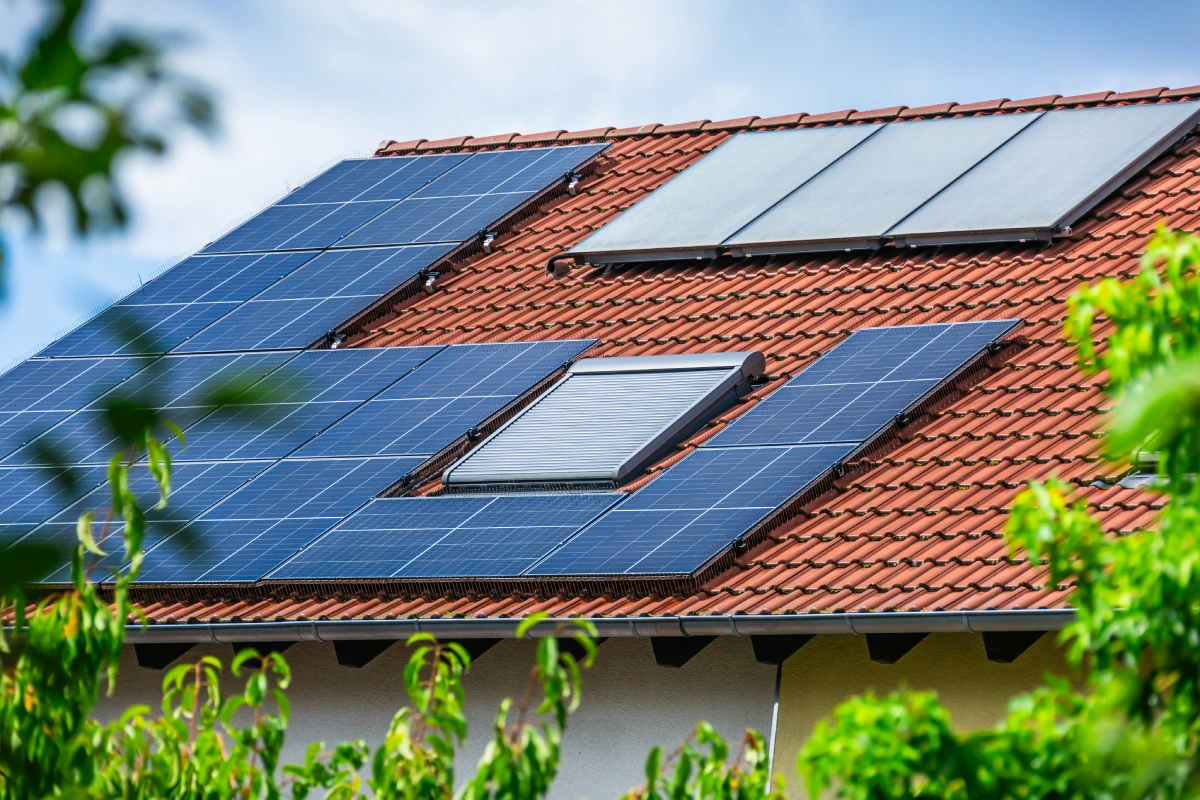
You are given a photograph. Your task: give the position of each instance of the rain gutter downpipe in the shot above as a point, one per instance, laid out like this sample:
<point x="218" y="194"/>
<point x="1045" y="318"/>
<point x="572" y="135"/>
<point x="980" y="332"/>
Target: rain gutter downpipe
<point x="327" y="630"/>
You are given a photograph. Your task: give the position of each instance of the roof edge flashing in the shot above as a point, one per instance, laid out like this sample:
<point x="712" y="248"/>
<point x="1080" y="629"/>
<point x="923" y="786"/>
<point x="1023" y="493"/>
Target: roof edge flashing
<point x="750" y="363"/>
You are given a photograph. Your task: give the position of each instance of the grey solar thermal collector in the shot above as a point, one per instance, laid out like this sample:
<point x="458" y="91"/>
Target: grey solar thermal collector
<point x="607" y="418"/>
<point x="959" y="180"/>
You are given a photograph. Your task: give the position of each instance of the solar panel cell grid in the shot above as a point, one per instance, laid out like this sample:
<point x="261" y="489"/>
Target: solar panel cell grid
<point x="137" y="329"/>
<point x="355" y="273"/>
<point x="446" y="537"/>
<point x="217" y="278"/>
<point x="66" y="385"/>
<point x="265" y="521"/>
<point x="274" y="324"/>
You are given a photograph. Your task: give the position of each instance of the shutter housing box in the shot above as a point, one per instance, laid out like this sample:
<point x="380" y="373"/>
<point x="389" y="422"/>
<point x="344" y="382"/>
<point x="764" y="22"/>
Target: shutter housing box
<point x="607" y="418"/>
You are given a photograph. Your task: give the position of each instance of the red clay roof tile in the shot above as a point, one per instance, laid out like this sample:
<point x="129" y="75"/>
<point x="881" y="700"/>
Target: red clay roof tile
<point x="591" y="133"/>
<point x="773" y="122"/>
<point x="730" y="124"/>
<point x="1186" y="91"/>
<point x="456" y="141"/>
<point x="534" y="138"/>
<point x="831" y="116"/>
<point x="983" y="105"/>
<point x="487" y="141"/>
<point x="927" y="111"/>
<point x="879" y="113"/>
<point x="1082" y="99"/>
<point x="1138" y="94"/>
<point x="683" y="127"/>
<point x="1032" y="102"/>
<point x="400" y="147"/>
<point x="638" y="130"/>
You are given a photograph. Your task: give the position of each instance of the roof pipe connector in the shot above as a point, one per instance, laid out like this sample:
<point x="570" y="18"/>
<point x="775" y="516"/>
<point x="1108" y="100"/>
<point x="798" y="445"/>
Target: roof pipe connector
<point x="430" y="279"/>
<point x="488" y="238"/>
<point x="559" y="267"/>
<point x="335" y="339"/>
<point x="573" y="179"/>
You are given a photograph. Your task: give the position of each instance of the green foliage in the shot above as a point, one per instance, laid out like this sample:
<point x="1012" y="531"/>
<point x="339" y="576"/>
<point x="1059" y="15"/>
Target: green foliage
<point x="1133" y="730"/>
<point x="70" y="109"/>
<point x="708" y="775"/>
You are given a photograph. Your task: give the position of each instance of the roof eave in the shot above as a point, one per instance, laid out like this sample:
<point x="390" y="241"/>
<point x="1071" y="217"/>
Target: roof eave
<point x="982" y="621"/>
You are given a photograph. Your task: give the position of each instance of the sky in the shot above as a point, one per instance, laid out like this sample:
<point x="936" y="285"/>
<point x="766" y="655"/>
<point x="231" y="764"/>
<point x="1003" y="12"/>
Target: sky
<point x="299" y="85"/>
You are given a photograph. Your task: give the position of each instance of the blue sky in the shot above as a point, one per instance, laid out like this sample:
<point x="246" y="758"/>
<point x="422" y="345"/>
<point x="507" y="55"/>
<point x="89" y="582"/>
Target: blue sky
<point x="303" y="83"/>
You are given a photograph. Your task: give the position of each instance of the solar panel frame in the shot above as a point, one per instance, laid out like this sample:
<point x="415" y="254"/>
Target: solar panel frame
<point x="1049" y="175"/>
<point x="854" y="201"/>
<point x="714" y="198"/>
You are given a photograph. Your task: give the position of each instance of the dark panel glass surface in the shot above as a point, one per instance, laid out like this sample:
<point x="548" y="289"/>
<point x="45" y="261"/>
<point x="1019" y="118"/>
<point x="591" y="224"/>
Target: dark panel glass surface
<point x="137" y="329"/>
<point x="456" y="536"/>
<point x="215" y="279"/>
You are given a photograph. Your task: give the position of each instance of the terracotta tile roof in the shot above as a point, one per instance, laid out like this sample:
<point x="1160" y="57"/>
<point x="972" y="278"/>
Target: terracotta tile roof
<point x="916" y="527"/>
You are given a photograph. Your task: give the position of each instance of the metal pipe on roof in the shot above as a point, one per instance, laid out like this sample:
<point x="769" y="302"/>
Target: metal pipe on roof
<point x="640" y="627"/>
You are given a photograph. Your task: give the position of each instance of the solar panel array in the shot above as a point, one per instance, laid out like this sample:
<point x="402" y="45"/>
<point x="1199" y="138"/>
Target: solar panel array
<point x="241" y="313"/>
<point x="257" y="481"/>
<point x="321" y="255"/>
<point x="717" y="494"/>
<point x="684" y="518"/>
<point x="1002" y="177"/>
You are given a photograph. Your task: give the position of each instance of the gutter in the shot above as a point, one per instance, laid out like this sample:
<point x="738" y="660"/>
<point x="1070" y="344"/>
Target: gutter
<point x="325" y="630"/>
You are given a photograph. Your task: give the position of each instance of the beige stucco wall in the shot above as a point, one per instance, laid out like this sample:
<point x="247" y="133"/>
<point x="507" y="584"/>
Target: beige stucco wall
<point x="831" y="668"/>
<point x="629" y="702"/>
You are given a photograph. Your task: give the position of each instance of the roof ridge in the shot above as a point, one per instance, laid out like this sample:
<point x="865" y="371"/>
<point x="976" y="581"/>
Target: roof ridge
<point x="390" y="147"/>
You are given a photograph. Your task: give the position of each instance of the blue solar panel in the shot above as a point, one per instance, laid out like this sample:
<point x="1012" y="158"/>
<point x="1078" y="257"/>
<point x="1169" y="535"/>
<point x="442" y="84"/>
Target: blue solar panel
<point x="30" y="495"/>
<point x="275" y="325"/>
<point x="470" y="197"/>
<point x="296" y="227"/>
<point x="23" y="427"/>
<point x="213" y="279"/>
<point x="698" y="507"/>
<point x="258" y="526"/>
<point x="373" y="179"/>
<point x="194" y="487"/>
<point x="355" y="273"/>
<point x="858" y="387"/>
<point x="137" y="329"/>
<point x="446" y="537"/>
<point x="435" y="219"/>
<point x="443" y="399"/>
<point x="505" y="171"/>
<point x="66" y="385"/>
<point x="404" y="427"/>
<point x="180" y="384"/>
<point x="312" y="392"/>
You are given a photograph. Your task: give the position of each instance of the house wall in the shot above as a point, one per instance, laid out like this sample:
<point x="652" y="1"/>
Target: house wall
<point x="629" y="702"/>
<point x="829" y="669"/>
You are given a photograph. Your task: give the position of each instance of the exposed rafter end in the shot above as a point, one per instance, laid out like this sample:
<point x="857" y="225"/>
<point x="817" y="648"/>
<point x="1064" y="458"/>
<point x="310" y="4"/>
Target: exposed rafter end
<point x="1005" y="647"/>
<point x="888" y="648"/>
<point x="675" y="651"/>
<point x="775" y="650"/>
<point x="357" y="653"/>
<point x="160" y="656"/>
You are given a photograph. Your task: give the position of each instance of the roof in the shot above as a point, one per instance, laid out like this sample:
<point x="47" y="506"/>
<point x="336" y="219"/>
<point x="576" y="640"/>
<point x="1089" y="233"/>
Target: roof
<point x="918" y="527"/>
